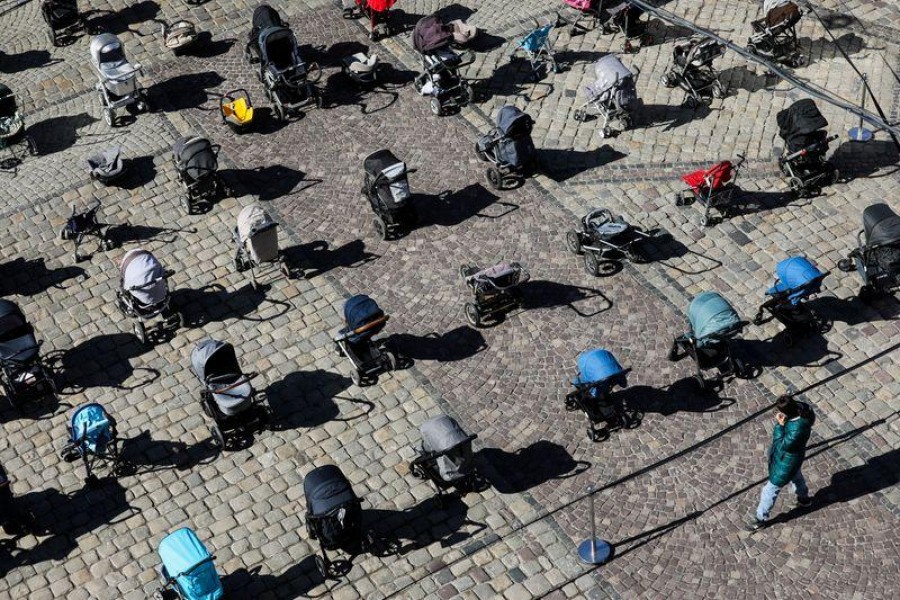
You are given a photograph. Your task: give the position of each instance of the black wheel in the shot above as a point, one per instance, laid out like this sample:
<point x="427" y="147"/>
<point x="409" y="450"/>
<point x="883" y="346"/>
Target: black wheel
<point x="580" y="116"/>
<point x="627" y="122"/>
<point x="796" y="185"/>
<point x="64" y="233"/>
<point x="701" y="381"/>
<point x="718" y="90"/>
<point x="356" y="378"/>
<point x="606" y="132"/>
<point x="218" y="438"/>
<point x="835" y="175"/>
<point x="141" y="332"/>
<point x="495" y="178"/>
<point x="32" y="147"/>
<point x="758" y="319"/>
<point x="107" y="244"/>
<point x="845" y="265"/>
<point x="186" y="204"/>
<point x="322" y="566"/>
<point x="573" y="242"/>
<point x="571" y="404"/>
<point x="392" y="361"/>
<point x="473" y="316"/>
<point x="380" y="227"/>
<point x="280" y="114"/>
<point x="480" y="153"/>
<point x="705" y="220"/>
<point x="592" y="263"/>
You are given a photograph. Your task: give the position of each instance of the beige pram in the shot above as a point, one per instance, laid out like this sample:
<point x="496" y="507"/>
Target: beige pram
<point x="256" y="236"/>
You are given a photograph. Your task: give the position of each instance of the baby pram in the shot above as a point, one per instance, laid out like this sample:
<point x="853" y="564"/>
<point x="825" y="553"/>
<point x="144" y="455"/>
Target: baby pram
<point x="798" y="279"/>
<point x="196" y="161"/>
<point x="187" y="568"/>
<point x="445" y="456"/>
<point x="106" y="165"/>
<point x="363" y="320"/>
<point x="712" y="188"/>
<point x="378" y="12"/>
<point x="179" y="36"/>
<point x="92" y="438"/>
<point x="626" y="17"/>
<point x="508" y="146"/>
<point x="24" y="375"/>
<point x="613" y="94"/>
<point x="143" y="292"/>
<point x="598" y="373"/>
<point x="538" y="50"/>
<point x="333" y="515"/>
<point x="386" y="186"/>
<point x="118" y="85"/>
<point x="877" y="255"/>
<point x="62" y="18"/>
<point x="236" y="109"/>
<point x="83" y="222"/>
<point x="775" y="35"/>
<point x="228" y="397"/>
<point x="713" y="323"/>
<point x="604" y="238"/>
<point x="12" y="131"/>
<point x="256" y="237"/>
<point x="694" y="72"/>
<point x="440" y="65"/>
<point x="803" y="162"/>
<point x="496" y="290"/>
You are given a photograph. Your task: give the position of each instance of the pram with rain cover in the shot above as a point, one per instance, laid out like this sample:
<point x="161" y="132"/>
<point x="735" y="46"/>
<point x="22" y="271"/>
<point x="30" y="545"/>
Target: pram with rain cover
<point x="83" y="222"/>
<point x="802" y="127"/>
<point x="378" y="12"/>
<point x="256" y="238"/>
<point x="775" y="35"/>
<point x="440" y="78"/>
<point x="118" y="85"/>
<point x="445" y="456"/>
<point x="877" y="255"/>
<point x="598" y="373"/>
<point x="196" y="160"/>
<point x="613" y="94"/>
<point x="386" y="186"/>
<point x="538" y="50"/>
<point x="92" y="438"/>
<point x="797" y="281"/>
<point x="143" y="292"/>
<point x="24" y="374"/>
<point x="228" y="397"/>
<point x="363" y="320"/>
<point x="62" y="18"/>
<point x="604" y="239"/>
<point x="12" y="131"/>
<point x="187" y="568"/>
<point x="713" y="323"/>
<point x="496" y="290"/>
<point x="626" y="17"/>
<point x="712" y="188"/>
<point x="508" y="146"/>
<point x="105" y="166"/>
<point x="236" y="110"/>
<point x="693" y="70"/>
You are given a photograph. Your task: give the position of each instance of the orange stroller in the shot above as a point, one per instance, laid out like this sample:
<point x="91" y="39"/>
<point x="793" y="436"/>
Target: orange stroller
<point x="712" y="188"/>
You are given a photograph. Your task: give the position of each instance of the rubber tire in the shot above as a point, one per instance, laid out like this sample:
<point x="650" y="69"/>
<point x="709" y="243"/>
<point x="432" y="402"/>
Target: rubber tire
<point x="495" y="178"/>
<point x="140" y="332"/>
<point x="322" y="566"/>
<point x="218" y="438"/>
<point x="436" y="108"/>
<point x="472" y="315"/>
<point x="573" y="242"/>
<point x="592" y="263"/>
<point x="186" y="204"/>
<point x="356" y="378"/>
<point x="380" y="228"/>
<point x="393" y="361"/>
<point x="480" y="154"/>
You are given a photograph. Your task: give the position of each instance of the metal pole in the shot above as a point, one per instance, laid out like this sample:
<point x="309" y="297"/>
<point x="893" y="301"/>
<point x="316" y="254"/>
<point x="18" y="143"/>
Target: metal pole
<point x="861" y="134"/>
<point x="594" y="551"/>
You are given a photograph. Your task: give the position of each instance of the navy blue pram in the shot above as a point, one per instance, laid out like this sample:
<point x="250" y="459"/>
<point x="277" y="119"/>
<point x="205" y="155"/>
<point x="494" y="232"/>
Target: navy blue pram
<point x="508" y="146"/>
<point x="187" y="568"/>
<point x="92" y="438"/>
<point x="598" y="373"/>
<point x="23" y="374"/>
<point x="797" y="280"/>
<point x="364" y="319"/>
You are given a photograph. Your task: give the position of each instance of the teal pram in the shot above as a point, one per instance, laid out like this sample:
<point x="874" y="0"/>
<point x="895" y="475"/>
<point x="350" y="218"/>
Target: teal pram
<point x="538" y="50"/>
<point x="187" y="568"/>
<point x="92" y="438"/>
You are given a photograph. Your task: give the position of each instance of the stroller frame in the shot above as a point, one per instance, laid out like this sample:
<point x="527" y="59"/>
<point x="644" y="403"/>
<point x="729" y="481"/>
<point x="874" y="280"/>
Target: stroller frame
<point x="16" y="390"/>
<point x="701" y="82"/>
<point x="108" y="456"/>
<point x="206" y="187"/>
<point x="387" y="222"/>
<point x="368" y="357"/>
<point x="595" y="400"/>
<point x="599" y="247"/>
<point x="716" y="356"/>
<point x="623" y="25"/>
<point x="808" y="182"/>
<point x="458" y="95"/>
<point x="490" y="299"/>
<point x="798" y="319"/>
<point x="710" y="197"/>
<point x="425" y="467"/>
<point x="82" y="224"/>
<point x="538" y="48"/>
<point x="863" y="259"/>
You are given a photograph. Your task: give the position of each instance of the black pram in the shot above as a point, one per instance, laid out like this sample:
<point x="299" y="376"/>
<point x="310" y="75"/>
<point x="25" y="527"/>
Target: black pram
<point x="877" y="255"/>
<point x="803" y="162"/>
<point x="386" y="186"/>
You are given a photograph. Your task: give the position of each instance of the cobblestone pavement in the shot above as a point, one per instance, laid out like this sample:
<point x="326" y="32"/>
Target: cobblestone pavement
<point x="671" y="492"/>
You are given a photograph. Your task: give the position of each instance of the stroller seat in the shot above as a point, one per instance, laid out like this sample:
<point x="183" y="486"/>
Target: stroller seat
<point x="610" y="229"/>
<point x="362" y="63"/>
<point x="22" y="348"/>
<point x="106" y="164"/>
<point x="445" y="57"/>
<point x="238" y="111"/>
<point x="713" y="179"/>
<point x="782" y="16"/>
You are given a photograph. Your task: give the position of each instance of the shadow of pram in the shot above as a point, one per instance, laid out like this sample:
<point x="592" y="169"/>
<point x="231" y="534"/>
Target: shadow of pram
<point x="456" y="344"/>
<point x="142" y="454"/>
<point x="853" y="159"/>
<point x="825" y="48"/>
<point x="30" y="59"/>
<point x="60" y="133"/>
<point x="266" y="183"/>
<point x="561" y="165"/>
<point x="184" y="92"/>
<point x="116" y="22"/>
<point x="672" y="116"/>
<point x="308" y="399"/>
<point x="29" y="277"/>
<point x="317" y="258"/>
<point x="526" y="468"/>
<point x="101" y="361"/>
<point x="551" y="294"/>
<point x="449" y="209"/>
<point x="213" y="303"/>
<point x="854" y="311"/>
<point x="807" y="351"/>
<point x="684" y="395"/>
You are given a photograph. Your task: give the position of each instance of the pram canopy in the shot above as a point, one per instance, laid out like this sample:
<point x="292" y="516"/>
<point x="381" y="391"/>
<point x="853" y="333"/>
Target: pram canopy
<point x="359" y="311"/>
<point x="392" y="185"/>
<point x="881" y="225"/>
<point x="91" y="427"/>
<point x="512" y="122"/>
<point x="252" y="220"/>
<point x="265" y="16"/>
<point x="535" y="41"/>
<point x="430" y="34"/>
<point x="599" y="366"/>
<point x="798" y="276"/>
<point x="144" y="277"/>
<point x="215" y="364"/>
<point x="514" y="146"/>
<point x="109" y="58"/>
<point x="17" y="340"/>
<point x="326" y="489"/>
<point x="712" y="318"/>
<point x="443" y="435"/>
<point x="189" y="563"/>
<point x="278" y="48"/>
<point x="799" y="120"/>
<point x="195" y="157"/>
<point x="613" y="79"/>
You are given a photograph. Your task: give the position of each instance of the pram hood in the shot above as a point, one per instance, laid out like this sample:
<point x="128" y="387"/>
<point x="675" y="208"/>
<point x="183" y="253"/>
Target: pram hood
<point x="798" y="276"/>
<point x="383" y="162"/>
<point x="195" y="156"/>
<point x="106" y="163"/>
<point x="512" y="122"/>
<point x="712" y="318"/>
<point x="253" y="219"/>
<point x="881" y="225"/>
<point x="443" y="435"/>
<point x="17" y="341"/>
<point x="215" y="364"/>
<point x="265" y="16"/>
<point x="799" y="119"/>
<point x="278" y="48"/>
<point x="359" y="311"/>
<point x="188" y="561"/>
<point x="612" y="77"/>
<point x="326" y="488"/>
<point x="108" y="56"/>
<point x="144" y="277"/>
<point x="91" y="427"/>
<point x="598" y="366"/>
<point x="430" y="34"/>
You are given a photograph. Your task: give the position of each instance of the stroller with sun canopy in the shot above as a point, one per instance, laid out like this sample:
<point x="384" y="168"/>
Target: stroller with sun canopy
<point x="693" y="70"/>
<point x="877" y="255"/>
<point x="386" y="186"/>
<point x="613" y="94"/>
<point x="440" y="78"/>
<point x="12" y="131"/>
<point x="92" y="438"/>
<point x="598" y="374"/>
<point x="363" y="320"/>
<point x="538" y="49"/>
<point x="775" y="35"/>
<point x="23" y="374"/>
<point x="803" y="161"/>
<point x="445" y="456"/>
<point x="712" y="188"/>
<point x="797" y="281"/>
<point x="713" y="323"/>
<point x="187" y="568"/>
<point x="143" y="292"/>
<point x="508" y="146"/>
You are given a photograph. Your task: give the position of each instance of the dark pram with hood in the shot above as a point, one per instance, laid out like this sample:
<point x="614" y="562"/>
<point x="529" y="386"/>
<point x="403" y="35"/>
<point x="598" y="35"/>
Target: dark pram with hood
<point x="445" y="456"/>
<point x="197" y="162"/>
<point x="877" y="255"/>
<point x="12" y="131"/>
<point x="508" y="146"/>
<point x="626" y="17"/>
<point x="24" y="375"/>
<point x="693" y="70"/>
<point x="62" y="18"/>
<point x="598" y="374"/>
<point x="93" y="439"/>
<point x="440" y="78"/>
<point x="797" y="281"/>
<point x="775" y="35"/>
<point x="386" y="186"/>
<point x="802" y="127"/>
<point x="363" y="320"/>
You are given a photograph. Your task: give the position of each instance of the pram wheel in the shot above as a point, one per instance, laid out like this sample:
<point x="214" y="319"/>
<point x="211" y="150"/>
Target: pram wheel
<point x="495" y="178"/>
<point x="218" y="438"/>
<point x="592" y="263"/>
<point x="380" y="228"/>
<point x="186" y="204"/>
<point x="627" y="122"/>
<point x="466" y="270"/>
<point x="796" y="185"/>
<point x="580" y="116"/>
<point x="140" y="332"/>
<point x="356" y="378"/>
<point x="668" y="80"/>
<point x="109" y="117"/>
<point x="606" y="132"/>
<point x="322" y="566"/>
<point x="705" y="220"/>
<point x="280" y="114"/>
<point x="835" y="176"/>
<point x="758" y="319"/>
<point x="718" y="90"/>
<point x="473" y="316"/>
<point x="32" y="147"/>
<point x="845" y="265"/>
<point x="64" y="233"/>
<point x="391" y="360"/>
<point x="798" y="61"/>
<point x="573" y="242"/>
<point x="107" y="244"/>
<point x="436" y="108"/>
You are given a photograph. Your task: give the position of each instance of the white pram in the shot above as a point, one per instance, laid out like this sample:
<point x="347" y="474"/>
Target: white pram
<point x="144" y="292"/>
<point x="256" y="237"/>
<point x="118" y="85"/>
<point x="612" y="95"/>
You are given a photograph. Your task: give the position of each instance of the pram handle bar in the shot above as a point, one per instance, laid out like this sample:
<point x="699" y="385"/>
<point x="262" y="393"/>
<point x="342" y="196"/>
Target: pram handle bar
<point x="806" y="150"/>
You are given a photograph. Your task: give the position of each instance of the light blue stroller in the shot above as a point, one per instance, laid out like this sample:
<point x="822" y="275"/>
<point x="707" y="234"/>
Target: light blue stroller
<point x="598" y="373"/>
<point x="538" y="50"/>
<point x="92" y="438"/>
<point x="187" y="568"/>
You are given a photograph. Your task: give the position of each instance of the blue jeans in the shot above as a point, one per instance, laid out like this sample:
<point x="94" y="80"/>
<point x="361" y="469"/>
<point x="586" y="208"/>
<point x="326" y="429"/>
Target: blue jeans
<point x="770" y="493"/>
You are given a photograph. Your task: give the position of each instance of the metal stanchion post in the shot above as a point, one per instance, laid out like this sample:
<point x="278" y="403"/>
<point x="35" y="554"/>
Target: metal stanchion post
<point x="861" y="134"/>
<point x="594" y="551"/>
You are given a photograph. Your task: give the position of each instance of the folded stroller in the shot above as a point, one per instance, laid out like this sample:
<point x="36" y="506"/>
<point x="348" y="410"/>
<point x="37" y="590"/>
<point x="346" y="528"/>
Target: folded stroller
<point x="236" y="110"/>
<point x="613" y="94"/>
<point x="12" y="520"/>
<point x="603" y="239"/>
<point x="496" y="290"/>
<point x="598" y="373"/>
<point x="92" y="438"/>
<point x="361" y="68"/>
<point x="775" y="35"/>
<point x="12" y="131"/>
<point x="179" y="36"/>
<point x="363" y="320"/>
<point x="187" y="568"/>
<point x="118" y="85"/>
<point x="712" y="188"/>
<point x="538" y="50"/>
<point x="379" y="16"/>
<point x="83" y="222"/>
<point x="440" y="65"/>
<point x="386" y="186"/>
<point x="23" y="374"/>
<point x="62" y="18"/>
<point x="228" y="397"/>
<point x="803" y="162"/>
<point x="143" y="293"/>
<point x="445" y="456"/>
<point x="797" y="280"/>
<point x="256" y="237"/>
<point x="333" y="514"/>
<point x="713" y="323"/>
<point x="197" y="162"/>
<point x="877" y="255"/>
<point x="693" y="71"/>
<point x="508" y="146"/>
<point x="626" y="17"/>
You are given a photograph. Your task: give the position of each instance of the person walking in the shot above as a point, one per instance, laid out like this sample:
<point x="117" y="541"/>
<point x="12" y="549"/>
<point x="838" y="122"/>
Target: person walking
<point x="793" y="425"/>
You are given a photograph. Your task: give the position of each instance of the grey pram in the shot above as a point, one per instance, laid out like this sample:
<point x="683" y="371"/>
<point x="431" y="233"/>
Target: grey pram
<point x="612" y="95"/>
<point x="256" y="237"/>
<point x="143" y="292"/>
<point x="12" y="130"/>
<point x="508" y="146"/>
<point x="106" y="165"/>
<point x="445" y="457"/>
<point x="118" y="85"/>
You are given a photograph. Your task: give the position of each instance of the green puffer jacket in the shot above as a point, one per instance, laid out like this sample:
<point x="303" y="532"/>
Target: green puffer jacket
<point x="789" y="446"/>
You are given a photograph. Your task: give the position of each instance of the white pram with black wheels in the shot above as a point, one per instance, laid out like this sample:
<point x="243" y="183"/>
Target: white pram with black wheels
<point x="445" y="457"/>
<point x="613" y="95"/>
<point x="256" y="237"/>
<point x="143" y="292"/>
<point x="118" y="86"/>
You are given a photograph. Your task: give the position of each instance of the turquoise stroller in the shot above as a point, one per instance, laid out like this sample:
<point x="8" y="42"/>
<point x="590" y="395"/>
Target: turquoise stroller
<point x="187" y="568"/>
<point x="538" y="50"/>
<point x="92" y="438"/>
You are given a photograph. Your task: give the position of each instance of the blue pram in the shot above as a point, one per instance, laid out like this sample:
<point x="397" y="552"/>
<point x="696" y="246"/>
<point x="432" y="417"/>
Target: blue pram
<point x="713" y="323"/>
<point x="798" y="279"/>
<point x="92" y="438"/>
<point x="538" y="49"/>
<point x="598" y="373"/>
<point x="364" y="319"/>
<point x="187" y="568"/>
